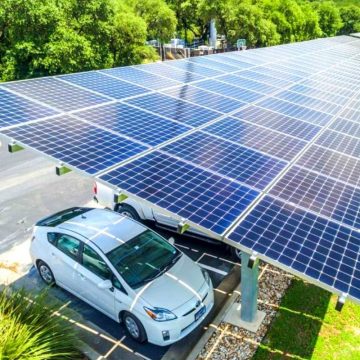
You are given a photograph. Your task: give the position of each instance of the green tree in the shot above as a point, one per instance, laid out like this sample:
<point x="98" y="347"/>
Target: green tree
<point x="159" y="18"/>
<point x="350" y="16"/>
<point x="329" y="17"/>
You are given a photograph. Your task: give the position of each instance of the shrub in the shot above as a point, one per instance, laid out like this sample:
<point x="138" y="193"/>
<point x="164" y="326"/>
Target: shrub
<point x="30" y="329"/>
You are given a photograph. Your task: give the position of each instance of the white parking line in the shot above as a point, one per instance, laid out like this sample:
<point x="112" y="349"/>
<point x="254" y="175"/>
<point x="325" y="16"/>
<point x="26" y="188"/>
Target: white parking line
<point x="210" y="268"/>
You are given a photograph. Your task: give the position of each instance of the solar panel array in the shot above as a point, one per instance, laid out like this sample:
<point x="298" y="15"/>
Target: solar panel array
<point x="259" y="148"/>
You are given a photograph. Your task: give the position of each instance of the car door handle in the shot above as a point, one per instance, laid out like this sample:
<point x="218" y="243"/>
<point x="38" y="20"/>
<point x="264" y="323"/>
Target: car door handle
<point x="82" y="276"/>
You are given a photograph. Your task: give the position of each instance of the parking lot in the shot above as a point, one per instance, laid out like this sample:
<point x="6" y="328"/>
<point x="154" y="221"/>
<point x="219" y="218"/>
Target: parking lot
<point x="29" y="190"/>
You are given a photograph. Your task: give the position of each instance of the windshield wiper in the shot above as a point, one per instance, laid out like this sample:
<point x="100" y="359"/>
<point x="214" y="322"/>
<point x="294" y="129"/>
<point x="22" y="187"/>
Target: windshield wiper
<point x="162" y="270"/>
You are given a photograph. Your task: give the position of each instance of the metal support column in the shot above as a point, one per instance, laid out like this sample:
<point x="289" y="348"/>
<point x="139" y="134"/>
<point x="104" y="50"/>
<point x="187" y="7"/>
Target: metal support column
<point x="249" y="288"/>
<point x="246" y="314"/>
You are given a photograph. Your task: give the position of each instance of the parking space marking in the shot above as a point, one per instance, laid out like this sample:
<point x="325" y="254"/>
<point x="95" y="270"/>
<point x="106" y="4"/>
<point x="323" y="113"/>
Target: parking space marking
<point x="202" y="255"/>
<point x="182" y="246"/>
<point x="210" y="268"/>
<point x="113" y="348"/>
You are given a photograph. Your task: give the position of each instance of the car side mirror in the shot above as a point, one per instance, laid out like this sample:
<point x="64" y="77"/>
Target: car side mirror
<point x="105" y="284"/>
<point x="171" y="240"/>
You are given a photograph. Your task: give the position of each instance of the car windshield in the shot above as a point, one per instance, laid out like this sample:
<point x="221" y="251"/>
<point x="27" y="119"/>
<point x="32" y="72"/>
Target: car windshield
<point x="143" y="258"/>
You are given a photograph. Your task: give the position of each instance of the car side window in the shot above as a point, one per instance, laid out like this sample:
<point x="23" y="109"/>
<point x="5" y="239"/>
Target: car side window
<point x="68" y="245"/>
<point x="92" y="261"/>
<point x="52" y="238"/>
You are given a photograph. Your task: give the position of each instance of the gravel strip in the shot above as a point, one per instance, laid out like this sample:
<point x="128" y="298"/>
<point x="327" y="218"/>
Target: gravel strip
<point x="233" y="343"/>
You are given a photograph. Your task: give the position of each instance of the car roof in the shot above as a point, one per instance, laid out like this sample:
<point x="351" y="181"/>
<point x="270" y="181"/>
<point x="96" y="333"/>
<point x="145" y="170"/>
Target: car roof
<point x="105" y="228"/>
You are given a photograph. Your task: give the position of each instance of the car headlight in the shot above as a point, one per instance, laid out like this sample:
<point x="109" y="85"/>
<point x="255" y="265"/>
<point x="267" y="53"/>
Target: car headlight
<point x="159" y="314"/>
<point x="206" y="276"/>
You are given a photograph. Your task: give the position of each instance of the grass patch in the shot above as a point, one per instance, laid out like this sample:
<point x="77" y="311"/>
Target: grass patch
<point x="307" y="326"/>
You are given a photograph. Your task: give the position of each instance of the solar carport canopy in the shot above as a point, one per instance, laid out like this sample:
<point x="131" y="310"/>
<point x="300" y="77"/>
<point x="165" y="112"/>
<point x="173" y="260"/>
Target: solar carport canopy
<point x="258" y="148"/>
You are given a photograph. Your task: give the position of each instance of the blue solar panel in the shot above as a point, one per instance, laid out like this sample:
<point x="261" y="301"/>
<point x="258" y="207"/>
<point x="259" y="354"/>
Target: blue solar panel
<point x="321" y="249"/>
<point x="320" y="194"/>
<point x="317" y="93"/>
<point x="194" y="68"/>
<point x="299" y="112"/>
<point x="138" y="77"/>
<point x="312" y="103"/>
<point x="234" y="92"/>
<point x="277" y="74"/>
<point x="264" y="78"/>
<point x="331" y="163"/>
<point x="351" y="114"/>
<point x="346" y="126"/>
<point x="288" y="70"/>
<point x="346" y="92"/>
<point x="76" y="143"/>
<point x="265" y="140"/>
<point x="238" y="62"/>
<point x="56" y="93"/>
<point x="342" y="143"/>
<point x="245" y="56"/>
<point x="205" y="98"/>
<point x="138" y="124"/>
<point x="175" y="109"/>
<point x="195" y="194"/>
<point x="226" y="158"/>
<point x="248" y="84"/>
<point x="15" y="109"/>
<point x="205" y="61"/>
<point x="104" y="84"/>
<point x="279" y="122"/>
<point x="169" y="72"/>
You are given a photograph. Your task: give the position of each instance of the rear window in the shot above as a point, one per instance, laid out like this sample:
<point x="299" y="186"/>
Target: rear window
<point x="62" y="216"/>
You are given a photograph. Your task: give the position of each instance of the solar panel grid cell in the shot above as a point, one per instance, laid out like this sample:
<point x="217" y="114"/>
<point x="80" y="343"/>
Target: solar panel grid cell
<point x="76" y="143"/>
<point x="105" y="85"/>
<point x="262" y="139"/>
<point x="237" y="162"/>
<point x="198" y="195"/>
<point x="140" y="125"/>
<point x="194" y="68"/>
<point x="176" y="109"/>
<point x="347" y="127"/>
<point x="205" y="98"/>
<point x="340" y="142"/>
<point x="309" y="244"/>
<point x="204" y="61"/>
<point x="333" y="164"/>
<point x="279" y="122"/>
<point x="15" y="109"/>
<point x="309" y="102"/>
<point x="141" y="78"/>
<point x="56" y="93"/>
<point x="297" y="111"/>
<point x="234" y="92"/>
<point x="263" y="78"/>
<point x="170" y="72"/>
<point x="248" y="84"/>
<point x="320" y="194"/>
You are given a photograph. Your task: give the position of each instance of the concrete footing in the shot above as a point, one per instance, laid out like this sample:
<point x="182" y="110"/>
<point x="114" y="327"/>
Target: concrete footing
<point x="233" y="317"/>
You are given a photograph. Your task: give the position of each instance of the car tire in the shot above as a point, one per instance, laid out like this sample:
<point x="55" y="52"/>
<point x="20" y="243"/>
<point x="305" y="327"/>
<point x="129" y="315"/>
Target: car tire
<point x="236" y="254"/>
<point x="45" y="273"/>
<point x="134" y="327"/>
<point x="128" y="211"/>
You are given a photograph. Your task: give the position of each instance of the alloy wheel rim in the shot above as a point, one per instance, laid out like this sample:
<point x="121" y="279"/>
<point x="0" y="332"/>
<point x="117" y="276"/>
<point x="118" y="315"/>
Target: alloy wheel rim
<point x="132" y="327"/>
<point x="128" y="214"/>
<point x="46" y="274"/>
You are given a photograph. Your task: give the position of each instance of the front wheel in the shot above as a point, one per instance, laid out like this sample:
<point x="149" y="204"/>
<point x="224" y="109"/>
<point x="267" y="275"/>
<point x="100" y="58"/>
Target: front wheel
<point x="45" y="273"/>
<point x="134" y="327"/>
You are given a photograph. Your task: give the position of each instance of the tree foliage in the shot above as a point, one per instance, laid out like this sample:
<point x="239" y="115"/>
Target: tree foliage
<point x="47" y="37"/>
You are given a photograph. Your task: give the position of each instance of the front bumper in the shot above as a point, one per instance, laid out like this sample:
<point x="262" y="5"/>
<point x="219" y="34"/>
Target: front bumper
<point x="178" y="328"/>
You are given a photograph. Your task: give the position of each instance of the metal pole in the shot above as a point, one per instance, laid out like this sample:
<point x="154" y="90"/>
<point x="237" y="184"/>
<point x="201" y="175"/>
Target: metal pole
<point x="249" y="288"/>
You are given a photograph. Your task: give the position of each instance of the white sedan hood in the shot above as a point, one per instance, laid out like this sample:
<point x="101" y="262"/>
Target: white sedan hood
<point x="177" y="286"/>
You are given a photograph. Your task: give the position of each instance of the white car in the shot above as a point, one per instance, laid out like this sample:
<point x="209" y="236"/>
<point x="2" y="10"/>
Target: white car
<point x="125" y="270"/>
<point x="104" y="195"/>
